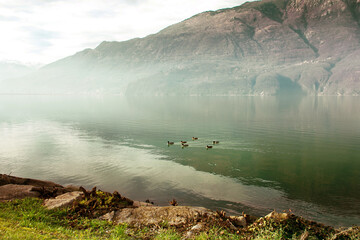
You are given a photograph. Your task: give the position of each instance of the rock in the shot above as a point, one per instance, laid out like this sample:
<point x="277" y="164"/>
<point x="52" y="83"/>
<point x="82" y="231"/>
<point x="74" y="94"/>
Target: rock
<point x="250" y="219"/>
<point x="108" y="217"/>
<point x="238" y="221"/>
<point x="195" y="229"/>
<point x="142" y="204"/>
<point x="72" y="188"/>
<point x="277" y="216"/>
<point x="173" y="216"/>
<point x="49" y="192"/>
<point x="14" y="191"/>
<point x="7" y="179"/>
<point x="349" y="233"/>
<point x="230" y="225"/>
<point x="305" y="235"/>
<point x="63" y="200"/>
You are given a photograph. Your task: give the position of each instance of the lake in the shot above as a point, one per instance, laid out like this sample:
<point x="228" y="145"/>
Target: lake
<point x="277" y="153"/>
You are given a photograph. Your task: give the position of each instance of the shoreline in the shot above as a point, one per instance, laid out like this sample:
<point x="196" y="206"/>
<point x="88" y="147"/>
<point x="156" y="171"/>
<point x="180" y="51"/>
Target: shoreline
<point x="118" y="210"/>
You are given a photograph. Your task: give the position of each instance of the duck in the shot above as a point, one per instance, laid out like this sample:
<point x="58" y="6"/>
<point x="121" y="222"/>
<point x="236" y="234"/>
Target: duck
<point x="215" y="142"/>
<point x="194" y="138"/>
<point x="184" y="145"/>
<point x="170" y="143"/>
<point x="207" y="146"/>
<point x="183" y="142"/>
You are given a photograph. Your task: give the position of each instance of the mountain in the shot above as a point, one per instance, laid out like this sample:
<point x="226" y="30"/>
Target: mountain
<point x="10" y="70"/>
<point x="270" y="47"/>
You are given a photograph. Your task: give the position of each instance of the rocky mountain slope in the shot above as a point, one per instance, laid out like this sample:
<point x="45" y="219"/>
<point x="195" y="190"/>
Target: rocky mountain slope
<point x="270" y="47"/>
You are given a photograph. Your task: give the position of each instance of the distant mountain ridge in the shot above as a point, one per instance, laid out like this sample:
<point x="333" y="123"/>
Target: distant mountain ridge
<point x="10" y="70"/>
<point x="271" y="47"/>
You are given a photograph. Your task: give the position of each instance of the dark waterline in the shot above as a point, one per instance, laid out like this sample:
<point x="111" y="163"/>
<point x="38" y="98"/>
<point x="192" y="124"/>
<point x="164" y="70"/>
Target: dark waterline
<point x="274" y="153"/>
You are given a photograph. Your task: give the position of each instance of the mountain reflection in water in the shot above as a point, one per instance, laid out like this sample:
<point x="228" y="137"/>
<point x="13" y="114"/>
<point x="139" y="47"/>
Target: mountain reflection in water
<point x="274" y="153"/>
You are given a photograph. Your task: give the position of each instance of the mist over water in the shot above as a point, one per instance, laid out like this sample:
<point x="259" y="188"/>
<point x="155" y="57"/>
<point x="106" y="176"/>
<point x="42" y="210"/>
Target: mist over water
<point x="275" y="152"/>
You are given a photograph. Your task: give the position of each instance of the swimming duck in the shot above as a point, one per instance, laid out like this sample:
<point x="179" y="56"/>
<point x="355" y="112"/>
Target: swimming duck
<point x="183" y="142"/>
<point x="207" y="146"/>
<point x="215" y="142"/>
<point x="184" y="145"/>
<point x="170" y="143"/>
<point x="194" y="138"/>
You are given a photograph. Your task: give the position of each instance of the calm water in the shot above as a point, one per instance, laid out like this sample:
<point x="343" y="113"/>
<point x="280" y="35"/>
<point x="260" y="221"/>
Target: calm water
<point x="274" y="153"/>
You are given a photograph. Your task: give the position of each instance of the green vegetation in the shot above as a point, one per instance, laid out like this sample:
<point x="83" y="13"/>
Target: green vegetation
<point x="97" y="203"/>
<point x="28" y="219"/>
<point x="270" y="10"/>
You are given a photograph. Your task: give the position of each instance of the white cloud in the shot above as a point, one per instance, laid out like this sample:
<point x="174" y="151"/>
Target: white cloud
<point x="47" y="30"/>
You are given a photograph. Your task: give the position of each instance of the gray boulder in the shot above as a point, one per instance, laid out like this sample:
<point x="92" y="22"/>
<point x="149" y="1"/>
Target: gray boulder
<point x="64" y="200"/>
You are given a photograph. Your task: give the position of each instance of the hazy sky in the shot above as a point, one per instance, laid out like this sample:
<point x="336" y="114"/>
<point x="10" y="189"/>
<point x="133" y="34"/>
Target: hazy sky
<point x="42" y="31"/>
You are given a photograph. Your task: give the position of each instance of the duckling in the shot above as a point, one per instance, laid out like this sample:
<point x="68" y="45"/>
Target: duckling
<point x="170" y="143"/>
<point x="207" y="146"/>
<point x="215" y="142"/>
<point x="183" y="142"/>
<point x="194" y="138"/>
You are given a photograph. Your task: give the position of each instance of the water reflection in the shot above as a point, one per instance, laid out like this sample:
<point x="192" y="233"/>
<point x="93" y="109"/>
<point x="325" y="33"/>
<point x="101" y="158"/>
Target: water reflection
<point x="298" y="153"/>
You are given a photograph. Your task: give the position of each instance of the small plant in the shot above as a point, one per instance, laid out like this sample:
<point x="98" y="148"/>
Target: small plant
<point x="173" y="202"/>
<point x="97" y="203"/>
<point x="168" y="234"/>
<point x="164" y="224"/>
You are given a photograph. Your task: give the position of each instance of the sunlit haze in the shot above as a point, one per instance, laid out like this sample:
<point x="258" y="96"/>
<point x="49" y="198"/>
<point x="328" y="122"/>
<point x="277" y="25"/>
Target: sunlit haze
<point x="43" y="31"/>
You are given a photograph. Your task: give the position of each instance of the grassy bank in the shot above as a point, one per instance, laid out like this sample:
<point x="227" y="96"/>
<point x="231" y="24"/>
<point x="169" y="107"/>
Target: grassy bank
<point x="28" y="219"/>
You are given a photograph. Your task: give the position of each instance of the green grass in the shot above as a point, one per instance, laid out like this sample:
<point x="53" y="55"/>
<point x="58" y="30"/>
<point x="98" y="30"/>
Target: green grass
<point x="28" y="219"/>
<point x="217" y="233"/>
<point x="271" y="235"/>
